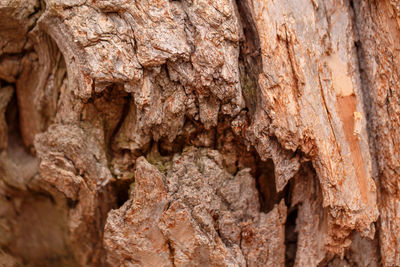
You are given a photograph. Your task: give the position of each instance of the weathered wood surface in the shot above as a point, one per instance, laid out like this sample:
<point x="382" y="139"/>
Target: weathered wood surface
<point x="199" y="133"/>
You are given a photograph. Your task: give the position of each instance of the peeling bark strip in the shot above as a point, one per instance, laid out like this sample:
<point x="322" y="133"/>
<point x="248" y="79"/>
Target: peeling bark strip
<point x="199" y="133"/>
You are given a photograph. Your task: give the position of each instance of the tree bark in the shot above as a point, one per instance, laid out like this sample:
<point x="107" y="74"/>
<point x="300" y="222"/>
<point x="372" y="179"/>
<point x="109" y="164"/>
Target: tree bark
<point x="199" y="133"/>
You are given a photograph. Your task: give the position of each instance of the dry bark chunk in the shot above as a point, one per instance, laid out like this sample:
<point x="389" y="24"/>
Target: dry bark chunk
<point x="197" y="214"/>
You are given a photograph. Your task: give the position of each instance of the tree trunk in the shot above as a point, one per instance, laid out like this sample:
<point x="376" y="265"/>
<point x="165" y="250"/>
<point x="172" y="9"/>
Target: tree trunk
<point x="199" y="133"/>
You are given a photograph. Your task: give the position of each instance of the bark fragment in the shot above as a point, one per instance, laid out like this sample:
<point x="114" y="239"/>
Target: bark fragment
<point x="320" y="122"/>
<point x="197" y="214"/>
<point x="184" y="132"/>
<point x="379" y="57"/>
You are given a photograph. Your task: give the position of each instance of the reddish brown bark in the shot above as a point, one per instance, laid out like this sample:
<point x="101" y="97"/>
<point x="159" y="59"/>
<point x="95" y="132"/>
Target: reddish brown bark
<point x="199" y="133"/>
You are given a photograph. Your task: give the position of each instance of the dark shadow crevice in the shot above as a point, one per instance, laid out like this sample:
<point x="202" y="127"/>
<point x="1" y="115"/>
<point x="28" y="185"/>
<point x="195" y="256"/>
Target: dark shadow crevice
<point x="121" y="189"/>
<point x="291" y="237"/>
<point x="265" y="181"/>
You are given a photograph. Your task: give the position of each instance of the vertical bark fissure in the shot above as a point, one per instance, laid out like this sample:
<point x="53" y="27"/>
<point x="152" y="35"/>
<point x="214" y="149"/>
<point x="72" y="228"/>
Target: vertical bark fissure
<point x="367" y="104"/>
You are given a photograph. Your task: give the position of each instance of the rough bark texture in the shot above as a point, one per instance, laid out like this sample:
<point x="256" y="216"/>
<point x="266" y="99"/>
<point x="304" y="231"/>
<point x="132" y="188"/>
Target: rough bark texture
<point x="199" y="133"/>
